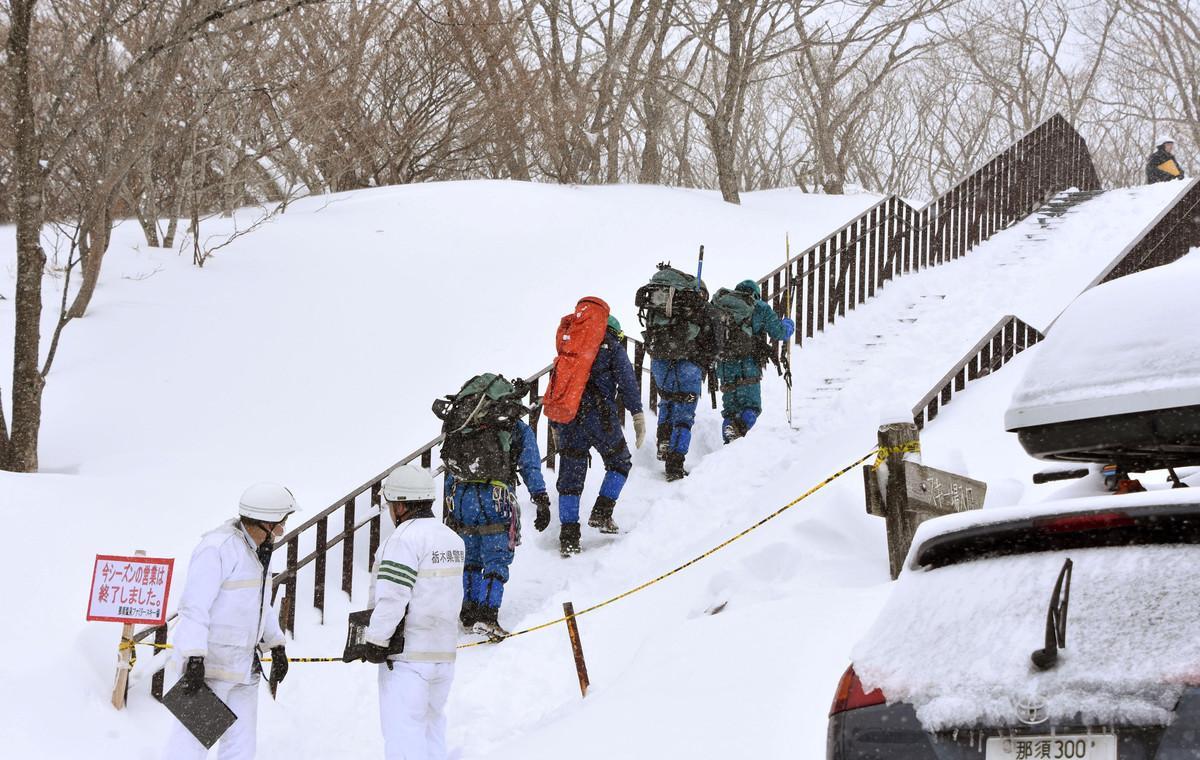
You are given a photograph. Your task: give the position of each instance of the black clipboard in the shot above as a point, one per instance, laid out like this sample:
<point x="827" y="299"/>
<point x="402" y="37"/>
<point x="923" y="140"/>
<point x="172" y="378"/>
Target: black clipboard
<point x="202" y="712"/>
<point x="356" y="636"/>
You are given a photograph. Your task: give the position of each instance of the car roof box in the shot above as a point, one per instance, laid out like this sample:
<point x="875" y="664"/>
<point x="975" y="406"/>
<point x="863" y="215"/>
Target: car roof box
<point x="1118" y="377"/>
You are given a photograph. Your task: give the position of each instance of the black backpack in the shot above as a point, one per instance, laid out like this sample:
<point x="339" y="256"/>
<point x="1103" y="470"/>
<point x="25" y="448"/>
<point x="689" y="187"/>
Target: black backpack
<point x="479" y="429"/>
<point x="672" y="308"/>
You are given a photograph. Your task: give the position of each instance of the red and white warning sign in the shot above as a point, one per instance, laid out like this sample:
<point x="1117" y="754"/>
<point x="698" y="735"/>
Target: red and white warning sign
<point x="130" y="589"/>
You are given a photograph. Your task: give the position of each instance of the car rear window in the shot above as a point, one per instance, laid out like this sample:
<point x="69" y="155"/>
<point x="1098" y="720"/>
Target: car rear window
<point x="955" y="639"/>
<point x="1154" y="526"/>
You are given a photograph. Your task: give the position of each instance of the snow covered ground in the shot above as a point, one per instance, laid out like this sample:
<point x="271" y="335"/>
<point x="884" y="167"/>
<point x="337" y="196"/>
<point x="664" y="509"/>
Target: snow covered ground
<point x="308" y="353"/>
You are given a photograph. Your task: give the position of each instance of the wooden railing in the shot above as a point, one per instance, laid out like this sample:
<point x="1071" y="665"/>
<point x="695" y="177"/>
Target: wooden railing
<point x="1168" y="237"/>
<point x="998" y="346"/>
<point x="892" y="238"/>
<point x="833" y="276"/>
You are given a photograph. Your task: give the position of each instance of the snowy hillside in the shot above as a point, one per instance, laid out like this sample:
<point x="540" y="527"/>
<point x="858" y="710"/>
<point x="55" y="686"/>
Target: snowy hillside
<point x="309" y="351"/>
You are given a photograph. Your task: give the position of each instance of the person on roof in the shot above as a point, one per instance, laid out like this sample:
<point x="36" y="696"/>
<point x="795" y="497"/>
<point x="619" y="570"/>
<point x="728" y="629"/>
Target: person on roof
<point x="416" y="589"/>
<point x="1163" y="165"/>
<point x="225" y="619"/>
<point x="748" y="321"/>
<point x="597" y="425"/>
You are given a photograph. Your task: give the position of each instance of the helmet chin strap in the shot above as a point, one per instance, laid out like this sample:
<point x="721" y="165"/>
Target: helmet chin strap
<point x="412" y="509"/>
<point x="267" y="546"/>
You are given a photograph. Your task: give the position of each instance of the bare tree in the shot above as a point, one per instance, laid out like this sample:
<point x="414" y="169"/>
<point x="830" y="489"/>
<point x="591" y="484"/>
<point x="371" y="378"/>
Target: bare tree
<point x="733" y="42"/>
<point x="106" y="66"/>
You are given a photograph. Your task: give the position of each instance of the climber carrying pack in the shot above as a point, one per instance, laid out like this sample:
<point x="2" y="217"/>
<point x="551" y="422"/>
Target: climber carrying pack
<point x="591" y="372"/>
<point x="485" y="446"/>
<point x="682" y="339"/>
<point x="746" y="323"/>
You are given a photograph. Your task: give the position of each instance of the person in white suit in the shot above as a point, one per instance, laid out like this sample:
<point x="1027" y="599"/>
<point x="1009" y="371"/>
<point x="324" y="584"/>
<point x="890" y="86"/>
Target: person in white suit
<point x="417" y="583"/>
<point x="225" y="618"/>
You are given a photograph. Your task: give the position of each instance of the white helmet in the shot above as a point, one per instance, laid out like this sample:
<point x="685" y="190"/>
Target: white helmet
<point x="267" y="502"/>
<point x="411" y="482"/>
<point x="1164" y="140"/>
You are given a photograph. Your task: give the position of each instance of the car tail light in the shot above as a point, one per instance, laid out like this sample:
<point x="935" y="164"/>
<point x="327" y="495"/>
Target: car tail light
<point x="850" y="694"/>
<point x="1080" y="523"/>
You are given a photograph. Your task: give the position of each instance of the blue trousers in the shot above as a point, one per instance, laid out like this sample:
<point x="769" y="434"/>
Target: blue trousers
<point x="483" y="512"/>
<point x="679" y="391"/>
<point x="598" y="427"/>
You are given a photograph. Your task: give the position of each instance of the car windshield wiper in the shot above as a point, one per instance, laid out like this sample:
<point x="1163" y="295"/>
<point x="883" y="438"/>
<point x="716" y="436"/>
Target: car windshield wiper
<point x="1056" y="621"/>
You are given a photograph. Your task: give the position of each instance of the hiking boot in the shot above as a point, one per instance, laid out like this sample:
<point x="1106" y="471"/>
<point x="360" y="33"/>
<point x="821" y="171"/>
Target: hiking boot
<point x="601" y="517"/>
<point x="469" y="614"/>
<point x="675" y="469"/>
<point x="487" y="624"/>
<point x="733" y="429"/>
<point x="568" y="539"/>
<point x="663" y="438"/>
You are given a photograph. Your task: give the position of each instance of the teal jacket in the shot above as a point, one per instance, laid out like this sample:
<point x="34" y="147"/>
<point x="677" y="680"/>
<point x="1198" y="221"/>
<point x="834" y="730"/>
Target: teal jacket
<point x="764" y="322"/>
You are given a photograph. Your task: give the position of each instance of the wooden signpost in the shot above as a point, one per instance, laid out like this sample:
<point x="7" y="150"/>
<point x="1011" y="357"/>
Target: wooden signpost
<point x="129" y="590"/>
<point x="124" y="659"/>
<point x="906" y="493"/>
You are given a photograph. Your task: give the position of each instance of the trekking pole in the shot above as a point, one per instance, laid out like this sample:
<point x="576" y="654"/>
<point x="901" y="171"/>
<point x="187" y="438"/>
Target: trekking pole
<point x="700" y="266"/>
<point x="786" y="354"/>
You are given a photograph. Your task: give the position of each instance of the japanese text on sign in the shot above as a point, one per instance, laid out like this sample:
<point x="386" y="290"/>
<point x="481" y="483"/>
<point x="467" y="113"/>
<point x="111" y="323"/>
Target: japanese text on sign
<point x="130" y="589"/>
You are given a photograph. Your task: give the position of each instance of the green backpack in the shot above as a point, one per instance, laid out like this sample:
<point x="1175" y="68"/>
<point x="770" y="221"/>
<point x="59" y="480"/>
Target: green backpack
<point x="671" y="308"/>
<point x="479" y="428"/>
<point x="736" y="310"/>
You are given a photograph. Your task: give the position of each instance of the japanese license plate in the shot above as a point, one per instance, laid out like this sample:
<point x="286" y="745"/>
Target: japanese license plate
<point x="1061" y="747"/>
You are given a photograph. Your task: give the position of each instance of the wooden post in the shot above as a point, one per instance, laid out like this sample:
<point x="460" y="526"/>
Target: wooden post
<point x="576" y="648"/>
<point x="897" y="440"/>
<point x="124" y="659"/>
<point x="348" y="548"/>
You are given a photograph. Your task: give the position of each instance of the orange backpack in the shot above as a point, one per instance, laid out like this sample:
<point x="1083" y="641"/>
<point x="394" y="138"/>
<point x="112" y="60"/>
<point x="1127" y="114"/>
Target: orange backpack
<point x="580" y="334"/>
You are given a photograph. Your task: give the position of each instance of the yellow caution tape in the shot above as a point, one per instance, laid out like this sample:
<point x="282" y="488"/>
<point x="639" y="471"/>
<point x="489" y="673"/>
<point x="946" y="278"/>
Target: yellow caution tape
<point x="913" y="446"/>
<point x="690" y="562"/>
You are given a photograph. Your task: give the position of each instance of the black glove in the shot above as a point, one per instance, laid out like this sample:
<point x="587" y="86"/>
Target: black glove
<point x="193" y="675"/>
<point x="542" y="520"/>
<point x="279" y="665"/>
<point x="375" y="653"/>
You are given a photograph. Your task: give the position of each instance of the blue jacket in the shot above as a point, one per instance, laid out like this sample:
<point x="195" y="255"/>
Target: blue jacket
<point x="612" y="374"/>
<point x="529" y="462"/>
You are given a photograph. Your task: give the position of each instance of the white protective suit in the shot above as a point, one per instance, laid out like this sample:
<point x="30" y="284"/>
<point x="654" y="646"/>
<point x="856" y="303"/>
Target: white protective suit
<point x="224" y="615"/>
<point x="418" y="579"/>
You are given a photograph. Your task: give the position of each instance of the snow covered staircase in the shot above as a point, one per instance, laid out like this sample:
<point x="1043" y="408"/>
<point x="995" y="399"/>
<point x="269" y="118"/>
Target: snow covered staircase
<point x="923" y="339"/>
<point x="821" y="284"/>
<point x="1057" y="208"/>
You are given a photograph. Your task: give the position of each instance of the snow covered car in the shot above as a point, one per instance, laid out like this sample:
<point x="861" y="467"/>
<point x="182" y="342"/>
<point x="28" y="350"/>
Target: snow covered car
<point x="1117" y="379"/>
<point x="1068" y="629"/>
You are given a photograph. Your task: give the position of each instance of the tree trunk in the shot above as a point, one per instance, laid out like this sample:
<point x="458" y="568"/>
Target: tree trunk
<point x="94" y="237"/>
<point x="172" y="228"/>
<point x="722" y="141"/>
<point x="19" y="451"/>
